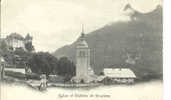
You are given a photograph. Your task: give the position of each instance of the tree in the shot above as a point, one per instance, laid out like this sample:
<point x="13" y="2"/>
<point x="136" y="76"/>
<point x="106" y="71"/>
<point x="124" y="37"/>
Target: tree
<point x="45" y="63"/>
<point x="3" y="47"/>
<point x="42" y="63"/>
<point x="66" y="67"/>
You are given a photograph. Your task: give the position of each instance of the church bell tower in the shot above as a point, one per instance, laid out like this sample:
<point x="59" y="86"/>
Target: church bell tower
<point x="82" y="59"/>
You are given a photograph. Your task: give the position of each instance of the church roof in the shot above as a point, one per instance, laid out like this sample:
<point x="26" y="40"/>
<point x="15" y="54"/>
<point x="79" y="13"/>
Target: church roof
<point x="82" y="44"/>
<point x="119" y="73"/>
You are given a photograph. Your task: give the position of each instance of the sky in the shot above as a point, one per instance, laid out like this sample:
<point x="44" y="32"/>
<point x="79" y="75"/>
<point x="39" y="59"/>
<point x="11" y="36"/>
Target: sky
<point x="55" y="23"/>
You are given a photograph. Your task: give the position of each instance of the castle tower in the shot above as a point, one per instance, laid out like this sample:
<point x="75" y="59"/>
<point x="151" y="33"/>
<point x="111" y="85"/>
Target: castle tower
<point x="82" y="59"/>
<point x="28" y="38"/>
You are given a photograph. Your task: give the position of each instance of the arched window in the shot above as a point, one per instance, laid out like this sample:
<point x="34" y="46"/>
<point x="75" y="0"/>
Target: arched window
<point x="82" y="54"/>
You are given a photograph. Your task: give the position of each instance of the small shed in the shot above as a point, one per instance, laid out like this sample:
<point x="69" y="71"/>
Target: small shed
<point x="119" y="75"/>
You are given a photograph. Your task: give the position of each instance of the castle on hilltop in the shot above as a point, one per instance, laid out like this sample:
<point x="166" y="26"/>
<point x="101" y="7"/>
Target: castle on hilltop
<point x="15" y="41"/>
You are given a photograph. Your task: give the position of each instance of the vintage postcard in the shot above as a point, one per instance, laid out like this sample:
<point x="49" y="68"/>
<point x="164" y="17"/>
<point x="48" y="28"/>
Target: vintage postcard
<point x="81" y="50"/>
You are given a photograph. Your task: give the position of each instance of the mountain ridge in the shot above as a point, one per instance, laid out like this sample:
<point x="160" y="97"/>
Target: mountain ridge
<point x="136" y="44"/>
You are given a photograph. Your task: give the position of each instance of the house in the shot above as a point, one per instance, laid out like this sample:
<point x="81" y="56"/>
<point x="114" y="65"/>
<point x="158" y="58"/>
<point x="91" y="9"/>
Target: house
<point x="119" y="75"/>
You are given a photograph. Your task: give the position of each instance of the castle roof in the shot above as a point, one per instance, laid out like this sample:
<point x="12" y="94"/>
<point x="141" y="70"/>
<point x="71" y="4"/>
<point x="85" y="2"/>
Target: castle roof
<point x="15" y="36"/>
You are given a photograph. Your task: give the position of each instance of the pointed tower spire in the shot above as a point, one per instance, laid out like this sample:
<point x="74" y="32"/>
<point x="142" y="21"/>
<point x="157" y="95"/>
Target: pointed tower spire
<point x="82" y="33"/>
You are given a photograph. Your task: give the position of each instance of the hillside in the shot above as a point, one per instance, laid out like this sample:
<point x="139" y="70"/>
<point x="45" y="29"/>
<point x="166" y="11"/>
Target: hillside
<point x="16" y="56"/>
<point x="136" y="44"/>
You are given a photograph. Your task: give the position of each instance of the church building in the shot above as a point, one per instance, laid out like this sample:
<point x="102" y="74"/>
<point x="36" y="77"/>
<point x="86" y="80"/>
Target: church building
<point x="83" y="72"/>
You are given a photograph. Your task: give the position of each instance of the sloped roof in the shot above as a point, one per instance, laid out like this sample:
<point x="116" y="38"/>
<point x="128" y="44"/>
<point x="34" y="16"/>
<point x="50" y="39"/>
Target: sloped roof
<point x="119" y="72"/>
<point x="15" y="36"/>
<point x="100" y="78"/>
<point x="82" y="44"/>
<point x="18" y="70"/>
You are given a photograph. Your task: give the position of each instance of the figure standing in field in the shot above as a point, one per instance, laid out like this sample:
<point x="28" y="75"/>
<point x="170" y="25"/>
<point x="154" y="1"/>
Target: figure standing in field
<point x="43" y="83"/>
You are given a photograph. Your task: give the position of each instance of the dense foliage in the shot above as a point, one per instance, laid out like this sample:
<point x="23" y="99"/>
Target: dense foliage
<point x="14" y="58"/>
<point x="3" y="47"/>
<point x="45" y="63"/>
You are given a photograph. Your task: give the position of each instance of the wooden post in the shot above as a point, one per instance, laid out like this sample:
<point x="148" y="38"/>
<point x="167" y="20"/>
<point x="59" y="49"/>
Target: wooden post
<point x="2" y="70"/>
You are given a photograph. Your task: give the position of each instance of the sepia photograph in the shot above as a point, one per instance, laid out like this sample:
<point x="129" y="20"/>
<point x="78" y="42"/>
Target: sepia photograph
<point x="81" y="50"/>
